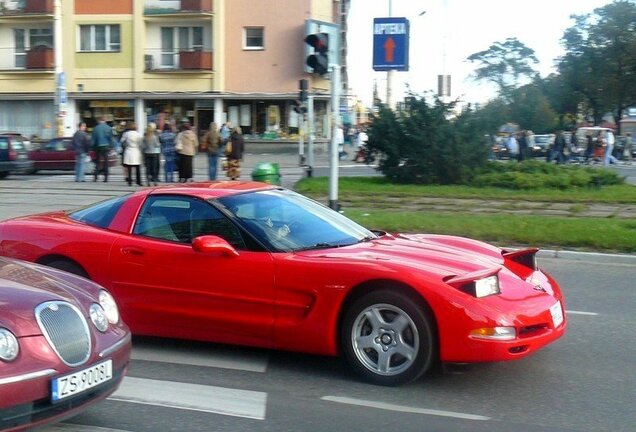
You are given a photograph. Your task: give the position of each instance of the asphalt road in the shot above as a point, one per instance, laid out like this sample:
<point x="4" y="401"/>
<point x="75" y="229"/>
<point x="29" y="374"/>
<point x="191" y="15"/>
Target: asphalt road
<point x="583" y="382"/>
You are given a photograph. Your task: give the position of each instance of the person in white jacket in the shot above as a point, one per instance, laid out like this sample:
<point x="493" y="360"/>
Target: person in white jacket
<point x="131" y="141"/>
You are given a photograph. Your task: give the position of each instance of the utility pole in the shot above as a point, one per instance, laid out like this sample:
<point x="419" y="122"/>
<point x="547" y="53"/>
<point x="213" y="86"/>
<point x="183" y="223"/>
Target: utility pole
<point x="60" y="78"/>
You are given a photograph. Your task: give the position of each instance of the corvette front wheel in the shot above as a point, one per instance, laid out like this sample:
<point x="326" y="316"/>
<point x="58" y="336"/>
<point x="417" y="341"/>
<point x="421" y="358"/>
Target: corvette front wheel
<point x="388" y="338"/>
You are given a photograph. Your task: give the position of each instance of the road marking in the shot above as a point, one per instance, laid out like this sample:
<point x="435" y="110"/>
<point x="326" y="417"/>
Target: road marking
<point x="67" y="427"/>
<point x="571" y="312"/>
<point x="201" y="356"/>
<point x="402" y="408"/>
<point x="193" y="397"/>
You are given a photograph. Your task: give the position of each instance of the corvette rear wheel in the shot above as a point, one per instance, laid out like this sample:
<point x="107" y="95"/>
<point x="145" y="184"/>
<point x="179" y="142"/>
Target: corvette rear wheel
<point x="68" y="266"/>
<point x="388" y="338"/>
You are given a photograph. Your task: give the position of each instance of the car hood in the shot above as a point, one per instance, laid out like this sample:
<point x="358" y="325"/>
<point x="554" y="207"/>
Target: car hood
<point x="23" y="286"/>
<point x="435" y="254"/>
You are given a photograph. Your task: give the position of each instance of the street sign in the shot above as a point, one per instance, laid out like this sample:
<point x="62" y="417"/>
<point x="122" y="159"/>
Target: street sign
<point x="390" y="44"/>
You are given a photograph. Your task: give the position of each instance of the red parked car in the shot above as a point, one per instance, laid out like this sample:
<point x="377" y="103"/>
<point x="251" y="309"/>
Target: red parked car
<point x="63" y="346"/>
<point x="58" y="154"/>
<point x="254" y="264"/>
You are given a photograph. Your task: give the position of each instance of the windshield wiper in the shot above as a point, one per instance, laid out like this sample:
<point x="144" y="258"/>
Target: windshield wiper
<point x="322" y="246"/>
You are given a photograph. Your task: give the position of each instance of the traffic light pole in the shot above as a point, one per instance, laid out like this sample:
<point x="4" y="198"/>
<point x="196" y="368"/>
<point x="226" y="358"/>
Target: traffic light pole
<point x="333" y="149"/>
<point x="310" y="135"/>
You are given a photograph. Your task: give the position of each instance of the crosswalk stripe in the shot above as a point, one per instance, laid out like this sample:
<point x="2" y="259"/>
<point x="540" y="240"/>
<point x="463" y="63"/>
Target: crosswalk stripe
<point x="201" y="356"/>
<point x="402" y="408"/>
<point x="194" y="397"/>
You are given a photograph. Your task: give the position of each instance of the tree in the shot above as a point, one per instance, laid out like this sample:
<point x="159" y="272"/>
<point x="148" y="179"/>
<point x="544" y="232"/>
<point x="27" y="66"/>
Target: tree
<point x="600" y="63"/>
<point x="424" y="144"/>
<point x="531" y="109"/>
<point x="504" y="64"/>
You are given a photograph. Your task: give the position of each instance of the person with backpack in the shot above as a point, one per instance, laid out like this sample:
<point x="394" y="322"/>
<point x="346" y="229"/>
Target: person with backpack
<point x="212" y="143"/>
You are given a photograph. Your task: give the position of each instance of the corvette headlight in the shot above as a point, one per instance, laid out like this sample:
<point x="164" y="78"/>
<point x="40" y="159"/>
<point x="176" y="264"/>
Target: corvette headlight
<point x="98" y="317"/>
<point x="9" y="347"/>
<point x="478" y="284"/>
<point x="487" y="286"/>
<point x="107" y="302"/>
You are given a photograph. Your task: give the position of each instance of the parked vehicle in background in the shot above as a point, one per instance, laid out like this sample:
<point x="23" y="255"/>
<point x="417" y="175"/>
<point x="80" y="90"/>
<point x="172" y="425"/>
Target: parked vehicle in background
<point x="542" y="144"/>
<point x="14" y="156"/>
<point x="63" y="345"/>
<point x="58" y="154"/>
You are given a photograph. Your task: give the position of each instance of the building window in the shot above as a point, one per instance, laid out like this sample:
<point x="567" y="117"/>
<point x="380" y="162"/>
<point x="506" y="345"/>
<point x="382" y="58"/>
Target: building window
<point x="175" y="39"/>
<point x="254" y="38"/>
<point x="26" y="39"/>
<point x="97" y="38"/>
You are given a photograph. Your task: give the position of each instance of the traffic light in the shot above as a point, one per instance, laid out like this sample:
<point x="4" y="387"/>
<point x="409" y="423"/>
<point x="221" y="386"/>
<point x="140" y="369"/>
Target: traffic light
<point x="319" y="60"/>
<point x="299" y="107"/>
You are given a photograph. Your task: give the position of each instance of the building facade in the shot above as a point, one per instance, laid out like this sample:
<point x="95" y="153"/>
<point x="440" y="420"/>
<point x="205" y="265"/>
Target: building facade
<point x="159" y="61"/>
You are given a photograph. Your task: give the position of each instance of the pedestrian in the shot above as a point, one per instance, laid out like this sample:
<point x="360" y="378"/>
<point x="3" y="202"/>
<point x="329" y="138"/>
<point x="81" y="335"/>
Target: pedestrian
<point x="132" y="141"/>
<point x="81" y="144"/>
<point x="523" y="146"/>
<point x="186" y="146"/>
<point x="513" y="147"/>
<point x="589" y="148"/>
<point x="225" y="134"/>
<point x="167" y="140"/>
<point x="212" y="143"/>
<point x="557" y="148"/>
<point x="152" y="151"/>
<point x="628" y="147"/>
<point x="234" y="153"/>
<point x="609" y="148"/>
<point x="103" y="141"/>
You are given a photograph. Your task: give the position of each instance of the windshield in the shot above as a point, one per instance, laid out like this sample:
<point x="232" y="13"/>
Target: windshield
<point x="285" y="221"/>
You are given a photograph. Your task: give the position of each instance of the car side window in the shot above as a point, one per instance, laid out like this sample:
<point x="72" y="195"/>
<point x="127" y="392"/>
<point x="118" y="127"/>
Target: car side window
<point x="4" y="143"/>
<point x="182" y="219"/>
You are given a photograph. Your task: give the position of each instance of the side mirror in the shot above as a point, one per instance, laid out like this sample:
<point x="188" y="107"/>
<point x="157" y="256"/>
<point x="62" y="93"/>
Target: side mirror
<point x="211" y="244"/>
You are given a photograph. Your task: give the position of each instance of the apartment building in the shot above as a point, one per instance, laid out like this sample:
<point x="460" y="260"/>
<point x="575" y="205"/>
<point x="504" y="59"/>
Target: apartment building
<point x="159" y="60"/>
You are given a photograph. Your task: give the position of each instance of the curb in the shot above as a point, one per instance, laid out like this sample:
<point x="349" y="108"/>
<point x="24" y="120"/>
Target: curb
<point x="584" y="256"/>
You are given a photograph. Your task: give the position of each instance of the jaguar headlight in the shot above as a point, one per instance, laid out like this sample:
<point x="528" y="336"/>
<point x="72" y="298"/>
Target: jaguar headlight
<point x="98" y="317"/>
<point x="107" y="302"/>
<point x="9" y="347"/>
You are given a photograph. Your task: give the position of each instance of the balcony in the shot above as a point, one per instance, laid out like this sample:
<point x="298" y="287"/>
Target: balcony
<point x="183" y="61"/>
<point x="157" y="8"/>
<point x="195" y="60"/>
<point x="25" y="9"/>
<point x="40" y="58"/>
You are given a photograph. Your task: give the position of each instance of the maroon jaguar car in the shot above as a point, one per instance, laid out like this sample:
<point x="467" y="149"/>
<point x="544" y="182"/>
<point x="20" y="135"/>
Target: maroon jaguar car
<point x="63" y="345"/>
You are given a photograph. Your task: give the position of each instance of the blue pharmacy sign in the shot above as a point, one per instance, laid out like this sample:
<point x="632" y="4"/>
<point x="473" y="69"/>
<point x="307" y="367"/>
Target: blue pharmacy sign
<point x="390" y="44"/>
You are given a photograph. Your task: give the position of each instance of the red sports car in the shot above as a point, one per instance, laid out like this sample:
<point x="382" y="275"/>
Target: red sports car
<point x="255" y="264"/>
<point x="63" y="346"/>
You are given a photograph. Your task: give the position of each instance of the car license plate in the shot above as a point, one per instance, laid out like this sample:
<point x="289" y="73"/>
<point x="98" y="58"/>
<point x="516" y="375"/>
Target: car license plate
<point x="557" y="314"/>
<point x="77" y="382"/>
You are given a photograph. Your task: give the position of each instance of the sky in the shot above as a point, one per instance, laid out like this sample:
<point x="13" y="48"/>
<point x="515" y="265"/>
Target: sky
<point x="450" y="31"/>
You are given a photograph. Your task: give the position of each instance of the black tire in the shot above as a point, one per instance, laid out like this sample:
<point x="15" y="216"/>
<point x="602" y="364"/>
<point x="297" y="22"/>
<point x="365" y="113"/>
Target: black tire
<point x="389" y="323"/>
<point x="68" y="266"/>
<point x="4" y="174"/>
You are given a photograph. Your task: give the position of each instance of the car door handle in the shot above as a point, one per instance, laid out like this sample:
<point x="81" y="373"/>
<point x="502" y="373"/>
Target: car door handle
<point x="132" y="251"/>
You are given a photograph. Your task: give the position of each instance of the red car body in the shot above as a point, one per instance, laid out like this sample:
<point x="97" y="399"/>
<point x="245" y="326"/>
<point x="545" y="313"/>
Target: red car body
<point x="58" y="154"/>
<point x="205" y="289"/>
<point x="35" y="303"/>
